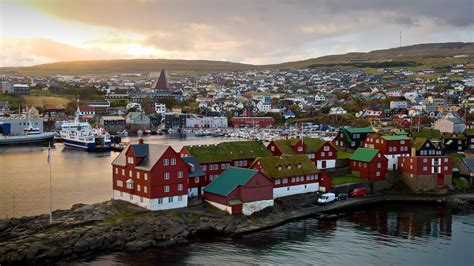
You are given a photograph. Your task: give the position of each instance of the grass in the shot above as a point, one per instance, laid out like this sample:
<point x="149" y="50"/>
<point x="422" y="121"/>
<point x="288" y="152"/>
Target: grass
<point x="194" y="218"/>
<point x="347" y="179"/>
<point x="343" y="155"/>
<point x="43" y="100"/>
<point x="456" y="157"/>
<point x="13" y="100"/>
<point x="123" y="215"/>
<point x="461" y="183"/>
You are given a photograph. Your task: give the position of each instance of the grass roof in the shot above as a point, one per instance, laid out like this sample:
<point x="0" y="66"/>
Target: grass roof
<point x="364" y="154"/>
<point x="418" y="143"/>
<point x="311" y="144"/>
<point x="228" y="151"/>
<point x="399" y="137"/>
<point x="277" y="167"/>
<point x="229" y="180"/>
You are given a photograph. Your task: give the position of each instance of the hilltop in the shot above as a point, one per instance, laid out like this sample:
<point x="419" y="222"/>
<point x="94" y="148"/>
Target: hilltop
<point x="414" y="55"/>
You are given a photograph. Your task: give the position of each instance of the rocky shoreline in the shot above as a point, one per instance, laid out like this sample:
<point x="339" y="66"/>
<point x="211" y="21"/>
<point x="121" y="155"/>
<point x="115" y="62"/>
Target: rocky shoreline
<point x="85" y="231"/>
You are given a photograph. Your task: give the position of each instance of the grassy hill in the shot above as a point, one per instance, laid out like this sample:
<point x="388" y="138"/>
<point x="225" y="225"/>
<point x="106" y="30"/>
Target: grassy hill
<point x="421" y="55"/>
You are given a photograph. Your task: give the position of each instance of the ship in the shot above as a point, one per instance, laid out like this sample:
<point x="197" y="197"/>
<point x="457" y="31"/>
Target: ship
<point x="80" y="135"/>
<point x="31" y="134"/>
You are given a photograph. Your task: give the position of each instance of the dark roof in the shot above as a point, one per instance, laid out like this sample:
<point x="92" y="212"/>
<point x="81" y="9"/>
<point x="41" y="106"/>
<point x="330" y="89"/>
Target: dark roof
<point x="229" y="180"/>
<point x="153" y="154"/>
<point x="277" y="167"/>
<point x="197" y="167"/>
<point x="140" y="150"/>
<point x="469" y="162"/>
<point x="162" y="83"/>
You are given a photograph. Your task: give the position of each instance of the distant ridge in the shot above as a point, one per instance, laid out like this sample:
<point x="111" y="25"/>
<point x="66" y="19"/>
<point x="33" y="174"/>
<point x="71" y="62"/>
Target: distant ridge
<point x="416" y="53"/>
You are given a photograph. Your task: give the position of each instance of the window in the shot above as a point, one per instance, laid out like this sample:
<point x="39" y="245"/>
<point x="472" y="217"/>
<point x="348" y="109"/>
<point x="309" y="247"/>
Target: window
<point x="167" y="175"/>
<point x="196" y="179"/>
<point x="379" y="165"/>
<point x="180" y="186"/>
<point x="402" y="142"/>
<point x="285" y="180"/>
<point x="445" y="160"/>
<point x="425" y="168"/>
<point x="300" y="148"/>
<point x="119" y="183"/>
<point x="204" y="167"/>
<point x="123" y="171"/>
<point x="167" y="188"/>
<point x="277" y="182"/>
<point x="425" y="160"/>
<point x="222" y="165"/>
<point x="272" y="148"/>
<point x="173" y="161"/>
<point x="138" y="175"/>
<point x="138" y="188"/>
<point x="377" y="173"/>
<point x="166" y="162"/>
<point x="170" y="199"/>
<point x="445" y="168"/>
<point x="180" y="174"/>
<point x="116" y="170"/>
<point x="323" y="154"/>
<point x="130" y="174"/>
<point x="330" y="153"/>
<point x="180" y="198"/>
<point x="160" y="201"/>
<point x="129" y="184"/>
<point x="145" y="189"/>
<point x="145" y="176"/>
<point x="326" y="148"/>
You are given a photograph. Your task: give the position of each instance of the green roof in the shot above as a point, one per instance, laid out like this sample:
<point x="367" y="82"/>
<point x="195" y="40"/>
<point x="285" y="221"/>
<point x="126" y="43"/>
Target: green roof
<point x="229" y="180"/>
<point x="401" y="133"/>
<point x="456" y="120"/>
<point x="364" y="154"/>
<point x="311" y="144"/>
<point x="360" y="130"/>
<point x="228" y="151"/>
<point x="401" y="137"/>
<point x="277" y="166"/>
<point x="418" y="142"/>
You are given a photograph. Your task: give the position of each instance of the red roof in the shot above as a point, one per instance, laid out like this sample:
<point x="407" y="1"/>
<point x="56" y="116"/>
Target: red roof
<point x="86" y="108"/>
<point x="48" y="107"/>
<point x="162" y="83"/>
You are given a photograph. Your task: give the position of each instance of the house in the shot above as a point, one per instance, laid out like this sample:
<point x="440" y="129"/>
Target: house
<point x="214" y="159"/>
<point x="450" y="125"/>
<point x="423" y="173"/>
<point x="175" y="120"/>
<point x="466" y="169"/>
<point x="160" y="108"/>
<point x="239" y="190"/>
<point x="54" y="111"/>
<point x="425" y="147"/>
<point x="86" y="112"/>
<point x="289" y="114"/>
<point x="194" y="121"/>
<point x="322" y="153"/>
<point x="368" y="163"/>
<point x="352" y="137"/>
<point x="196" y="177"/>
<point x="454" y="142"/>
<point x="137" y="121"/>
<point x="152" y="176"/>
<point x="291" y="174"/>
<point x="260" y="122"/>
<point x="113" y="124"/>
<point x="469" y="133"/>
<point x="391" y="147"/>
<point x="21" y="89"/>
<point x="337" y="111"/>
<point x="398" y="104"/>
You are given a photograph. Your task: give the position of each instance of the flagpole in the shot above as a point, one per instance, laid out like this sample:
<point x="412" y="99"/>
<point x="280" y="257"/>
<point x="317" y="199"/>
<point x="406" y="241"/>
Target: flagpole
<point x="50" y="197"/>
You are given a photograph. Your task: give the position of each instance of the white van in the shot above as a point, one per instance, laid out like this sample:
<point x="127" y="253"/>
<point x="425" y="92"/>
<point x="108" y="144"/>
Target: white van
<point x="326" y="198"/>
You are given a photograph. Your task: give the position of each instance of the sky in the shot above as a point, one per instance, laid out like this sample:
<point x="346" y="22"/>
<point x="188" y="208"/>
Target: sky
<point x="248" y="31"/>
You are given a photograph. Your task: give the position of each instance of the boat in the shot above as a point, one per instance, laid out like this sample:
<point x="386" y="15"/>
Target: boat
<point x="80" y="135"/>
<point x="31" y="135"/>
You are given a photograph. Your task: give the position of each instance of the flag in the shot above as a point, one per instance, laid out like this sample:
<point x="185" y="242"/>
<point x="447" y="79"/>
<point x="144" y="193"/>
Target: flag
<point x="49" y="152"/>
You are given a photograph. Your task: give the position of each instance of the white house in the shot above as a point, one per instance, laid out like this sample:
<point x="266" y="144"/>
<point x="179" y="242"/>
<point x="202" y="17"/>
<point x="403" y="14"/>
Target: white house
<point x="160" y="108"/>
<point x="337" y="111"/>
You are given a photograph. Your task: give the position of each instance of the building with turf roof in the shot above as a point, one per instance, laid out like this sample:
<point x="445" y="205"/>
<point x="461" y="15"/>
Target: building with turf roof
<point x="352" y="137"/>
<point x="322" y="153"/>
<point x="454" y="142"/>
<point x="426" y="147"/>
<point x="291" y="174"/>
<point x="391" y="147"/>
<point x="368" y="163"/>
<point x="216" y="158"/>
<point x="240" y="190"/>
<point x="152" y="176"/>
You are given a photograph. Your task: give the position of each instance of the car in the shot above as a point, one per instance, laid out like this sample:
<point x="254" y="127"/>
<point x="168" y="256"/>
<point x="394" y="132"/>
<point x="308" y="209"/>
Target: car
<point x="326" y="198"/>
<point x="342" y="196"/>
<point x="359" y="192"/>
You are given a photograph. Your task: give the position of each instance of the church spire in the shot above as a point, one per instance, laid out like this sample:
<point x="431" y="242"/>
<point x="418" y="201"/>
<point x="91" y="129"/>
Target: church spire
<point x="162" y="83"/>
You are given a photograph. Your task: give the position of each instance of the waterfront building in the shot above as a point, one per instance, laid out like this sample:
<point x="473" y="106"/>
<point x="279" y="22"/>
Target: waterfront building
<point x="239" y="190"/>
<point x="152" y="176"/>
<point x="175" y="120"/>
<point x="16" y="126"/>
<point x="368" y="163"/>
<point x="113" y="124"/>
<point x="160" y="108"/>
<point x="194" y="121"/>
<point x="137" y="121"/>
<point x="249" y="122"/>
<point x="322" y="153"/>
<point x="87" y="112"/>
<point x="391" y="147"/>
<point x="352" y="137"/>
<point x="291" y="174"/>
<point x="423" y="173"/>
<point x="196" y="177"/>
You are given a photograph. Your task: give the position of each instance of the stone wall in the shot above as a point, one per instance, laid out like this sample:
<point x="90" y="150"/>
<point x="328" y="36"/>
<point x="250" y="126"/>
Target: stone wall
<point x="424" y="182"/>
<point x="248" y="208"/>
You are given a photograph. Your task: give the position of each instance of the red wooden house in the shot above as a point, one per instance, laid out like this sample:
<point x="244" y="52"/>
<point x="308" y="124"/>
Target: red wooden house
<point x="426" y="172"/>
<point x="322" y="153"/>
<point x="240" y="190"/>
<point x="392" y="147"/>
<point x="368" y="163"/>
<point x="152" y="176"/>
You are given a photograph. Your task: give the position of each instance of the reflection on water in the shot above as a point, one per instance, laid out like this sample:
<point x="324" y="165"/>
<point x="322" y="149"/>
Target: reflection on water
<point x="378" y="235"/>
<point x="77" y="176"/>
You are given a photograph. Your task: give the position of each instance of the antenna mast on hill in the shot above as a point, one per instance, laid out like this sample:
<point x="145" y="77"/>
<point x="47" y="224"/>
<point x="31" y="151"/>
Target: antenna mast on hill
<point x="400" y="39"/>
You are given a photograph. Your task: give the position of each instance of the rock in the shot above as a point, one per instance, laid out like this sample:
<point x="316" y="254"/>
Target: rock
<point x="229" y="228"/>
<point x="81" y="246"/>
<point x="34" y="250"/>
<point x="139" y="245"/>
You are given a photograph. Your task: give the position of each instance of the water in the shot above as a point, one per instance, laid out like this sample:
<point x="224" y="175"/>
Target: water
<point x="378" y="235"/>
<point x="77" y="176"/>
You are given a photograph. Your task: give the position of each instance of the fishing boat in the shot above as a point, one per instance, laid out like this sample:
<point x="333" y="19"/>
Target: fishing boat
<point x="80" y="135"/>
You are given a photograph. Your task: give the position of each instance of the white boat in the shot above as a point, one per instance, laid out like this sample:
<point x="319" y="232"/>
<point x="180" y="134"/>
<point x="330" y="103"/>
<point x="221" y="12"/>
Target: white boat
<point x="80" y="135"/>
<point x="32" y="135"/>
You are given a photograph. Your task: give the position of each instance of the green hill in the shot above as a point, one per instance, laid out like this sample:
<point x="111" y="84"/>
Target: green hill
<point x="421" y="55"/>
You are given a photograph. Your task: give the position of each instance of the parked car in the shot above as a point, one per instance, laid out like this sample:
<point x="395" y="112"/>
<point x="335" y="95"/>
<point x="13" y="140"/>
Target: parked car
<point x="342" y="196"/>
<point x="359" y="192"/>
<point x="326" y="198"/>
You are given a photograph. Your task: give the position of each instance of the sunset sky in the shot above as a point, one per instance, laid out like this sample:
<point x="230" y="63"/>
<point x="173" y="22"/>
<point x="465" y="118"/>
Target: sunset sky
<point x="258" y="32"/>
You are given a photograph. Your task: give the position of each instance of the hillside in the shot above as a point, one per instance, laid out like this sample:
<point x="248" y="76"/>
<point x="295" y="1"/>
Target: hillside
<point x="421" y="54"/>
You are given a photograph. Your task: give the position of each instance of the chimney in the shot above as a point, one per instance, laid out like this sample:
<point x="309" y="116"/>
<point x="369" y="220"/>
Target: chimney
<point x="140" y="141"/>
